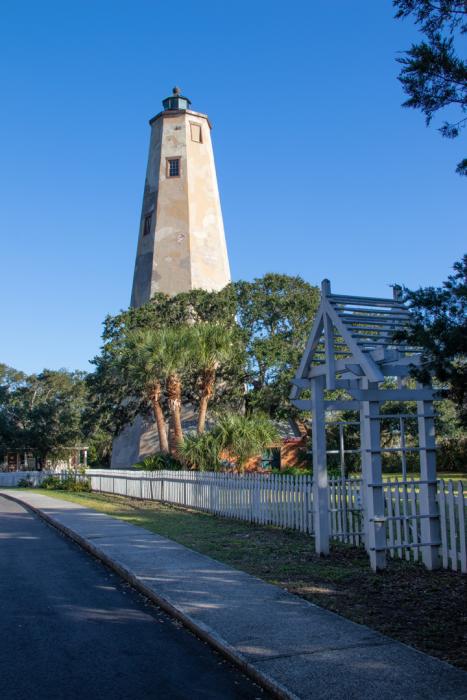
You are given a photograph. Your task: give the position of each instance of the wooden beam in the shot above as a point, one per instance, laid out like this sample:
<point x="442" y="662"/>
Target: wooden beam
<point x="396" y="312"/>
<point x="312" y="342"/>
<point x="355" y="369"/>
<point x="302" y="383"/>
<point x="430" y="525"/>
<point x="372" y="480"/>
<point x="411" y="360"/>
<point x="341" y="405"/>
<point x="392" y="394"/>
<point x="369" y="367"/>
<point x="354" y="317"/>
<point x="330" y="359"/>
<point x="335" y="405"/>
<point x="320" y="474"/>
<point x="396" y="370"/>
<point x="347" y="384"/>
<point x="301" y="404"/>
<point x="365" y="301"/>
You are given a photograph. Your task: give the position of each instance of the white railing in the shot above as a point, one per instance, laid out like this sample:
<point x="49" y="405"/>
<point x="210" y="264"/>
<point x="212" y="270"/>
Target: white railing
<point x="403" y="521"/>
<point x="452" y="502"/>
<point x="8" y="479"/>
<point x="267" y="499"/>
<point x="35" y="478"/>
<point x="287" y="502"/>
<point x="404" y="517"/>
<point x="345" y="510"/>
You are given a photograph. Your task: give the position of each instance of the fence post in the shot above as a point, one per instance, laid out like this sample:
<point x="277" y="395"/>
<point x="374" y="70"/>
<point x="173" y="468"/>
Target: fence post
<point x="461" y="521"/>
<point x="429" y="526"/>
<point x="320" y="473"/>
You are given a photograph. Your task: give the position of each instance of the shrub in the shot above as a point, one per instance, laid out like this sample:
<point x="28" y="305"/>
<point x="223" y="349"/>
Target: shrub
<point x="201" y="452"/>
<point x="70" y="481"/>
<point x="243" y="437"/>
<point x="26" y="482"/>
<point x="159" y="462"/>
<point x="452" y="455"/>
<point x="293" y="471"/>
<point x="234" y="436"/>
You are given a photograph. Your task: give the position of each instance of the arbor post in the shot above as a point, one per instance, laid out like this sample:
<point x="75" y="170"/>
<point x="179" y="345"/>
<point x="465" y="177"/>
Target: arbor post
<point x="372" y="482"/>
<point x="320" y="473"/>
<point x="429" y="525"/>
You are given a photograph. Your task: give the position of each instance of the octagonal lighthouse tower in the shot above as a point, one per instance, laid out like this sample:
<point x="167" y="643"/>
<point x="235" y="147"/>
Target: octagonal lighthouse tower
<point x="181" y="242"/>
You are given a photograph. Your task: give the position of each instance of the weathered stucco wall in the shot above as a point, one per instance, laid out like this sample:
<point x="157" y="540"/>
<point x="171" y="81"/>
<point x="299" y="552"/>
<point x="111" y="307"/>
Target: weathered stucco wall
<point x="208" y="250"/>
<point x="186" y="247"/>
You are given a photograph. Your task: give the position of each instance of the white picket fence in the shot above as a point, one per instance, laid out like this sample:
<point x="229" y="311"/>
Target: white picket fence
<point x="270" y="499"/>
<point x="9" y="479"/>
<point x="403" y="521"/>
<point x="452" y="502"/>
<point x="287" y="502"/>
<point x="345" y="510"/>
<point x="35" y="478"/>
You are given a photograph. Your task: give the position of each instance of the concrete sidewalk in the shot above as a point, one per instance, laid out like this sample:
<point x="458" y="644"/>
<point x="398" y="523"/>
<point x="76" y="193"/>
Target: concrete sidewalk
<point x="290" y="646"/>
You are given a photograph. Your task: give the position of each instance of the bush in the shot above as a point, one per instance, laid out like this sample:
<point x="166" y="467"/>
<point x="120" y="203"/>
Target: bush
<point x="235" y="437"/>
<point x="51" y="482"/>
<point x="293" y="471"/>
<point x="159" y="462"/>
<point x="201" y="452"/>
<point x="451" y="455"/>
<point x="25" y="483"/>
<point x="70" y="481"/>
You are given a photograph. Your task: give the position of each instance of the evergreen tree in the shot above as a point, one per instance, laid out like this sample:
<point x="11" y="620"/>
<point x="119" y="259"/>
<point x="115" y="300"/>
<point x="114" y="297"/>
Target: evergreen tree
<point x="433" y="75"/>
<point x="440" y="328"/>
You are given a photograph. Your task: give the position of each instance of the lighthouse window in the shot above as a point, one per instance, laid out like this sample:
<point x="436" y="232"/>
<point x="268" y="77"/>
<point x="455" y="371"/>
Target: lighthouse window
<point x="147" y="225"/>
<point x="173" y="167"/>
<point x="196" y="134"/>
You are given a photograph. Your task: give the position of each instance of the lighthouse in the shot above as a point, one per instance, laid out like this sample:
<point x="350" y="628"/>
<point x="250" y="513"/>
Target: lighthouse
<point x="181" y="239"/>
<point x="181" y="242"/>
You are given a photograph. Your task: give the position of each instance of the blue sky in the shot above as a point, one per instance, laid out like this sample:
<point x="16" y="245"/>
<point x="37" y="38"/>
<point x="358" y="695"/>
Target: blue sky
<point x="321" y="172"/>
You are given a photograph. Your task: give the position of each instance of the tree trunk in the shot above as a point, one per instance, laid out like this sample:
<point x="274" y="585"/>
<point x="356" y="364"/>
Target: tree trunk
<point x="207" y="389"/>
<point x="174" y="396"/>
<point x="159" y="416"/>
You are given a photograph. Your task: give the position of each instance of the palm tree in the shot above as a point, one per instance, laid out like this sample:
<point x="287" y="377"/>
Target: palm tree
<point x="243" y="437"/>
<point x="200" y="452"/>
<point x="209" y="345"/>
<point x="174" y="351"/>
<point x="142" y="362"/>
<point x="240" y="437"/>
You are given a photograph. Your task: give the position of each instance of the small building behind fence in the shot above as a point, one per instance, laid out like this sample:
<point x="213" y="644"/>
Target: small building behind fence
<point x="25" y="459"/>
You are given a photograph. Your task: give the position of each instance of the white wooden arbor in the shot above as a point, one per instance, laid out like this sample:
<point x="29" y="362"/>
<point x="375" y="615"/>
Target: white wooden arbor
<point x="351" y="347"/>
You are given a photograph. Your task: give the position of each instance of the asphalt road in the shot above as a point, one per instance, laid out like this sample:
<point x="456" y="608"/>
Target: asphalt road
<point x="70" y="628"/>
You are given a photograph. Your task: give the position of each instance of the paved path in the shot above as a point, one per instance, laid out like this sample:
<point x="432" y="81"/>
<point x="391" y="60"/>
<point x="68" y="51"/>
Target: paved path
<point x="71" y="629"/>
<point x="291" y="644"/>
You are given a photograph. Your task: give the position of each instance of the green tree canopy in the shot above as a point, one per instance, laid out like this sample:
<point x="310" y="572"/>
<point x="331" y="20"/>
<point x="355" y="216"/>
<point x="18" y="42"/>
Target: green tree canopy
<point x="440" y="328"/>
<point x="275" y="313"/>
<point x="115" y="400"/>
<point x="42" y="412"/>
<point x="245" y="340"/>
<point x="433" y="75"/>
